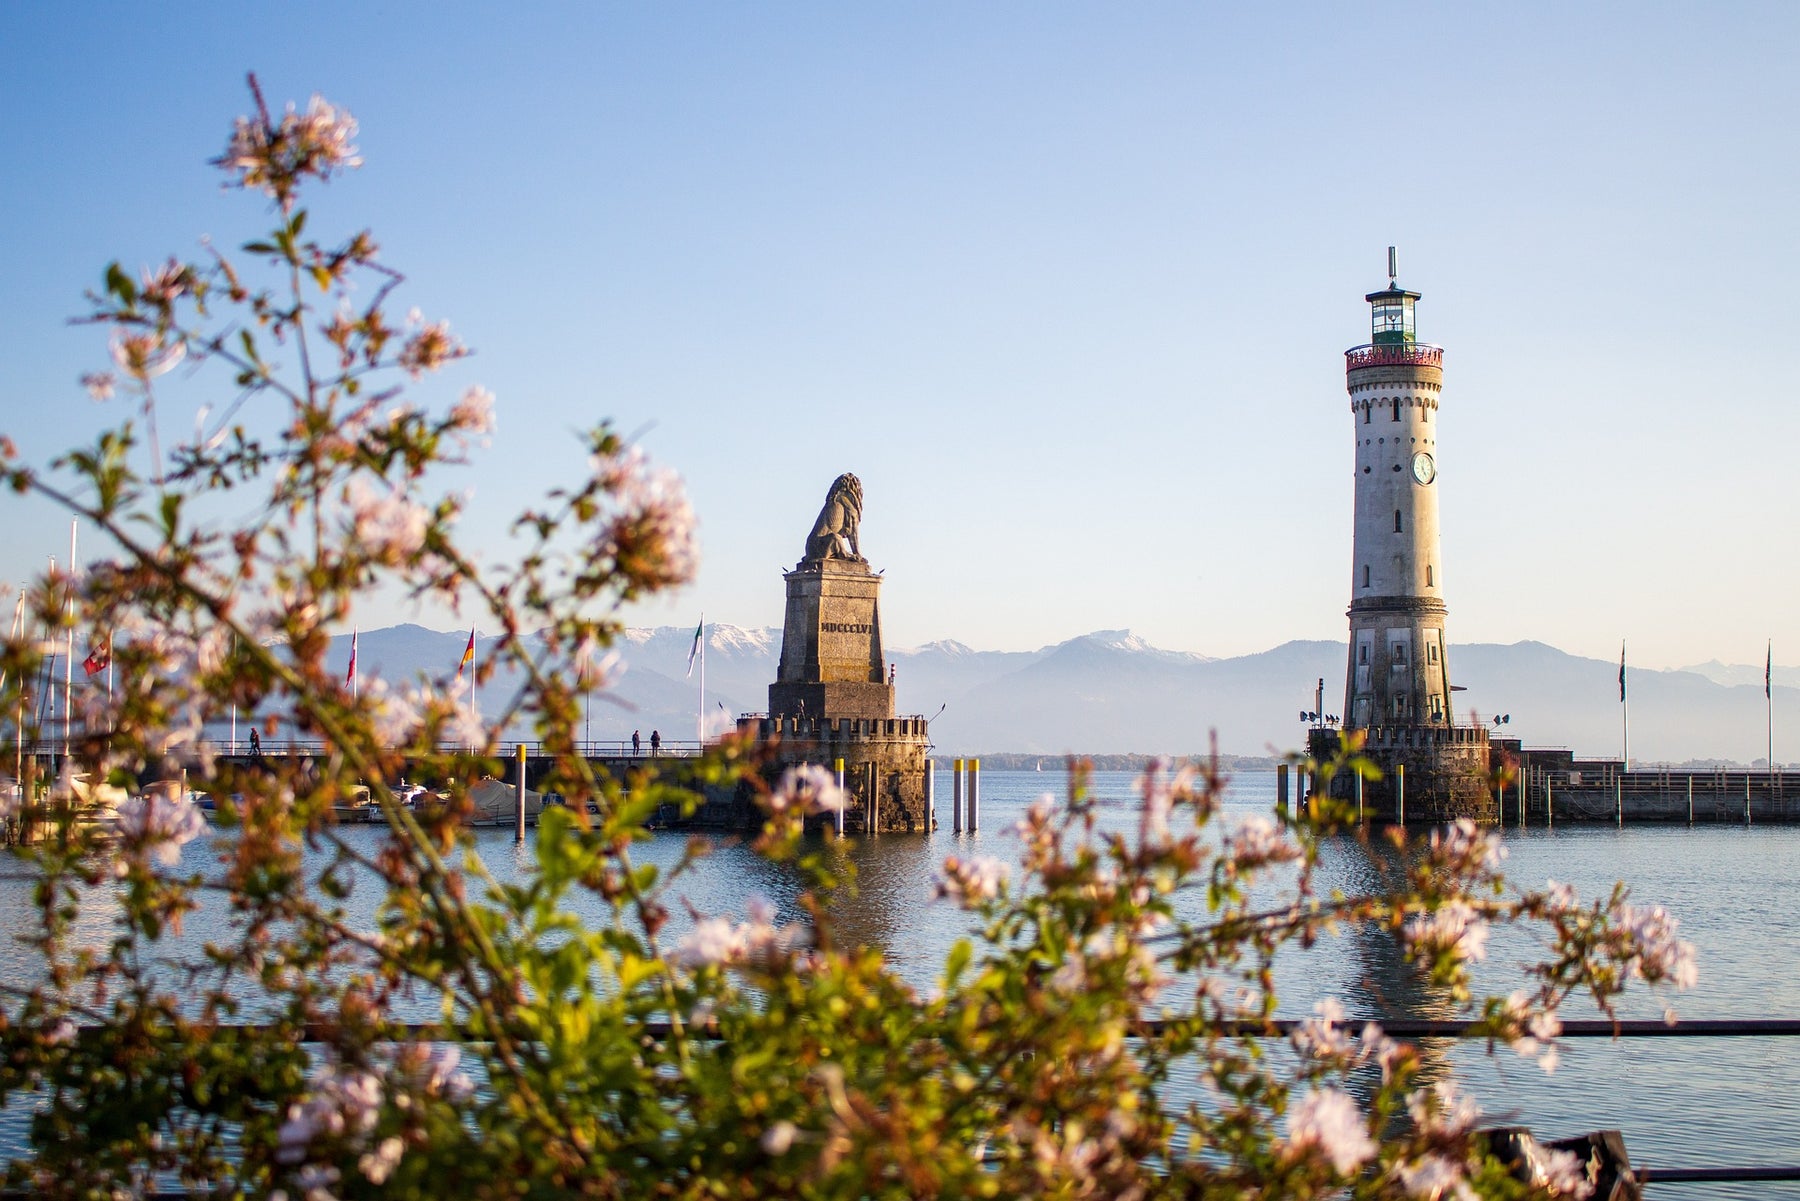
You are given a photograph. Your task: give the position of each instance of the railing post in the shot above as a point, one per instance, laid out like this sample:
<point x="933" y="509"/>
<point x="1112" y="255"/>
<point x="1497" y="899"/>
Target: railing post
<point x="956" y="796"/>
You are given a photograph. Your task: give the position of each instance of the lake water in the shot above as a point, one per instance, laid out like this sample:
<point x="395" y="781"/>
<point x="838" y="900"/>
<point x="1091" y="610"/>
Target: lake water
<point x="1680" y="1102"/>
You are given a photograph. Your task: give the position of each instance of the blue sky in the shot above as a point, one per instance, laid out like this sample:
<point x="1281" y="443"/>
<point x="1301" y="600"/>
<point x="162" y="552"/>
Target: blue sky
<point x="1067" y="286"/>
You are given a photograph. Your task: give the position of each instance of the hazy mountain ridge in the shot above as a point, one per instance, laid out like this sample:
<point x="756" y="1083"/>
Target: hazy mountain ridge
<point x="1110" y="692"/>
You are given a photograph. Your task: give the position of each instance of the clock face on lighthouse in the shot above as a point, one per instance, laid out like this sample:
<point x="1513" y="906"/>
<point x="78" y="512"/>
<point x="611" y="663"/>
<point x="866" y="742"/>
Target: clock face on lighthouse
<point x="1424" y="469"/>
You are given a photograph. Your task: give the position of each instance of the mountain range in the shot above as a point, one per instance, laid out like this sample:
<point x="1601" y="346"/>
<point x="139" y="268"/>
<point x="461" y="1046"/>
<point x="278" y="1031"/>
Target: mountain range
<point x="1110" y="692"/>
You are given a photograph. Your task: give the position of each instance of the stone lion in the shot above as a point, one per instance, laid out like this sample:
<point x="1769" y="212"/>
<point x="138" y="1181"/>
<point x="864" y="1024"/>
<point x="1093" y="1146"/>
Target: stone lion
<point x="834" y="533"/>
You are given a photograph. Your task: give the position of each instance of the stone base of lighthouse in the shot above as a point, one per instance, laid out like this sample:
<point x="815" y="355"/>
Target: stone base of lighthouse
<point x="1448" y="773"/>
<point x="884" y="764"/>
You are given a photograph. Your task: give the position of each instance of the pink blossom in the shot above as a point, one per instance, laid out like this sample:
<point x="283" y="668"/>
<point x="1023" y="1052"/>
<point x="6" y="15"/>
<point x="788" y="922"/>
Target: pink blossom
<point x="99" y="384"/>
<point x="145" y="356"/>
<point x="429" y="349"/>
<point x="1657" y="954"/>
<point x="1455" y="926"/>
<point x="474" y="412"/>
<point x="270" y="157"/>
<point x="970" y="882"/>
<point x="809" y="787"/>
<point x="1328" y="1120"/>
<point x="160" y="825"/>
<point x="390" y="526"/>
<point x="377" y="1165"/>
<point x="1434" y="1177"/>
<point x="1257" y="842"/>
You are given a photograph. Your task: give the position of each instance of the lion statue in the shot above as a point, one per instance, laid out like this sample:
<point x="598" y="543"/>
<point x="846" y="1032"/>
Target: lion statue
<point x="834" y="533"/>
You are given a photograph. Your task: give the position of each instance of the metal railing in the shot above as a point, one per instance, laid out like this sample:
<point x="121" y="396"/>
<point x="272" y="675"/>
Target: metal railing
<point x="1416" y="354"/>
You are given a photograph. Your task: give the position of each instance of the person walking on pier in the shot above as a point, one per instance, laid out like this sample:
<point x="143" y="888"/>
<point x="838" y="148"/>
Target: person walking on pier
<point x="655" y="743"/>
<point x="636" y="744"/>
<point x="255" y="743"/>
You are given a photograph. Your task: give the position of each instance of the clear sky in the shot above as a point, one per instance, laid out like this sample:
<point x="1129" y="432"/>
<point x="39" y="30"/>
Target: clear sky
<point x="1067" y="286"/>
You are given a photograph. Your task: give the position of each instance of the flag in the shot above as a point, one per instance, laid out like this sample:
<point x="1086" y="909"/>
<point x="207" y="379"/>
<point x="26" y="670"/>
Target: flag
<point x="695" y="649"/>
<point x="1621" y="672"/>
<point x="350" y="676"/>
<point x="1769" y="671"/>
<point x="468" y="656"/>
<point x="98" y="660"/>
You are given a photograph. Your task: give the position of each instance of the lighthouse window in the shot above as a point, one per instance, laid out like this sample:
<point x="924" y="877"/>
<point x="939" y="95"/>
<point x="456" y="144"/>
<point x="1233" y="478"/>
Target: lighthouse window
<point x="1365" y="575"/>
<point x="1431" y="652"/>
<point x="1365" y="414"/>
<point x="1397" y="526"/>
<point x="1364" y="653"/>
<point x="1428" y="583"/>
<point x="1396" y="408"/>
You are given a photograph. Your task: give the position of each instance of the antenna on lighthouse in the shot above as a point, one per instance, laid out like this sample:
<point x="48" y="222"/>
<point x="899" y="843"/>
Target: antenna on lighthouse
<point x="1393" y="266"/>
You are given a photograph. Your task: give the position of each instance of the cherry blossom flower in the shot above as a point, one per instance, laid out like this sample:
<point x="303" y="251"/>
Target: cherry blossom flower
<point x="144" y="356"/>
<point x="377" y="1165"/>
<point x="390" y="525"/>
<point x="1257" y="842"/>
<point x="1454" y="926"/>
<point x="269" y="157"/>
<point x="1434" y="1177"/>
<point x="968" y="882"/>
<point x="340" y="1103"/>
<point x="160" y="825"/>
<point x="811" y="788"/>
<point x="1328" y="1121"/>
<point x="473" y="413"/>
<point x="99" y="384"/>
<point x="1656" y="953"/>
<point x="428" y="349"/>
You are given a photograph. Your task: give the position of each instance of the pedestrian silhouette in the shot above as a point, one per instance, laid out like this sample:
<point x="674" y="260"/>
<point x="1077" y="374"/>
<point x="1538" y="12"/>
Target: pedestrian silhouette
<point x="255" y="743"/>
<point x="655" y="742"/>
<point x="636" y="745"/>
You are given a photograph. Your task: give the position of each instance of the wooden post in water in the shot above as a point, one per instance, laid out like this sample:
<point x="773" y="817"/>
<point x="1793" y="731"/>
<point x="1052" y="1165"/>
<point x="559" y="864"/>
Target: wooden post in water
<point x="838" y="772"/>
<point x="930" y="795"/>
<point x="874" y="799"/>
<point x="1359" y="799"/>
<point x="1619" y="798"/>
<point x="1549" y="802"/>
<point x="1746" y="798"/>
<point x="1281" y="786"/>
<point x="974" y="795"/>
<point x="956" y="796"/>
<point x="1690" y="798"/>
<point x="519" y="815"/>
<point x="1400" y="790"/>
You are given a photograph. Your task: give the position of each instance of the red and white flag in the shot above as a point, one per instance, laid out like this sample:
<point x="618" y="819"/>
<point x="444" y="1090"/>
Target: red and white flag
<point x="350" y="676"/>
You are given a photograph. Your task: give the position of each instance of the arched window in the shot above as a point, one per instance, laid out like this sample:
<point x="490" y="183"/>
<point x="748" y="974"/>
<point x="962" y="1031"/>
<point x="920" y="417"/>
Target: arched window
<point x="1428" y="582"/>
<point x="1365" y="575"/>
<point x="1396" y="408"/>
<point x="1397" y="526"/>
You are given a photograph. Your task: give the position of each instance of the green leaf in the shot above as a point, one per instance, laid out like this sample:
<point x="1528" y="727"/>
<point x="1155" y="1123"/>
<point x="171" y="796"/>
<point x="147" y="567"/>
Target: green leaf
<point x="119" y="284"/>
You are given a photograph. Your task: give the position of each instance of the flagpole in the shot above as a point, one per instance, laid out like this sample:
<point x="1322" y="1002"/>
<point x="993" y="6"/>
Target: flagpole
<point x="1624" y="705"/>
<point x="1769" y="701"/>
<point x="69" y="655"/>
<point x="700" y="719"/>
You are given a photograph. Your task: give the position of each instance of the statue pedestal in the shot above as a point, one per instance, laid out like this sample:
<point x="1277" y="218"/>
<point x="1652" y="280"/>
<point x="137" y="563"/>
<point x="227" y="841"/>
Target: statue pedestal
<point x="831" y="660"/>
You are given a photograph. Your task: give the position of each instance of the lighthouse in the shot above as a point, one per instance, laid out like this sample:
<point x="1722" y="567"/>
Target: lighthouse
<point x="1397" y="682"/>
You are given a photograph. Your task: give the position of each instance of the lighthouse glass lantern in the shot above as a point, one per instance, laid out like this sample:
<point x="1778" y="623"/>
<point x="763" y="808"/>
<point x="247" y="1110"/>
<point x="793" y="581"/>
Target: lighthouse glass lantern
<point x="1391" y="317"/>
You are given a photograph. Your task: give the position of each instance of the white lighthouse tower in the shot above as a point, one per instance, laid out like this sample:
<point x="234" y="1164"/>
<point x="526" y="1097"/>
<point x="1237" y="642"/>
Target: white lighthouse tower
<point x="1397" y="684"/>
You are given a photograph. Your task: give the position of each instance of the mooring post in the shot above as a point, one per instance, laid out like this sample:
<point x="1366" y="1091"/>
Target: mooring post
<point x="1619" y="799"/>
<point x="838" y="772"/>
<point x="1359" y="799"/>
<point x="1690" y="776"/>
<point x="930" y="795"/>
<point x="519" y="817"/>
<point x="1400" y="790"/>
<point x="956" y="796"/>
<point x="1281" y="786"/>
<point x="1549" y="802"/>
<point x="974" y="795"/>
<point x="1746" y="798"/>
<point x="874" y="799"/>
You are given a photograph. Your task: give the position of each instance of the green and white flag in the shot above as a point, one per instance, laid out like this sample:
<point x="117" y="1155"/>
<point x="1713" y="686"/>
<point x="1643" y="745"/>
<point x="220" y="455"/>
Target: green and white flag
<point x="694" y="650"/>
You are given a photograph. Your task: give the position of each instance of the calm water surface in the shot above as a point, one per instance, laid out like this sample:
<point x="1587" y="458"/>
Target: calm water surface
<point x="1681" y="1103"/>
